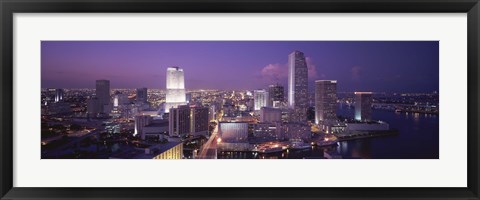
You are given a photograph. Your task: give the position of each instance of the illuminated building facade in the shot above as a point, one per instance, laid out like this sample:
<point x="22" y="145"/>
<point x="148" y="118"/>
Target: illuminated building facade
<point x="325" y="100"/>
<point x="50" y="95"/>
<point x="298" y="85"/>
<point x="276" y="95"/>
<point x="58" y="95"/>
<point x="199" y="120"/>
<point x="171" y="150"/>
<point x="296" y="131"/>
<point x="363" y="106"/>
<point x="267" y="131"/>
<point x="120" y="99"/>
<point x="233" y="132"/>
<point x="179" y="121"/>
<point x="260" y="99"/>
<point x="175" y="88"/>
<point x="140" y="122"/>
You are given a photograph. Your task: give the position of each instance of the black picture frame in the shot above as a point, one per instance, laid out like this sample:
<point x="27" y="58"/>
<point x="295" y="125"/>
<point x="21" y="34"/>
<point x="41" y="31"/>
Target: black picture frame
<point x="9" y="7"/>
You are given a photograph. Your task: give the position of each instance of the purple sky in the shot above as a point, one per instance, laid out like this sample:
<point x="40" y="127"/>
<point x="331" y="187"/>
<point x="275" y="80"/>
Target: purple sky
<point x="358" y="66"/>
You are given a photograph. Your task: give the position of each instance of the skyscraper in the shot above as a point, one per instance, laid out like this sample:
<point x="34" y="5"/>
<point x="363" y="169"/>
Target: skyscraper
<point x="298" y="85"/>
<point x="50" y="95"/>
<point x="115" y="100"/>
<point x="58" y="95"/>
<point x="175" y="88"/>
<point x="212" y="112"/>
<point x="140" y="122"/>
<point x="363" y="106"/>
<point x="94" y="106"/>
<point x="142" y="95"/>
<point x="120" y="99"/>
<point x="261" y="98"/>
<point x="102" y="92"/>
<point x="325" y="100"/>
<point x="179" y="121"/>
<point x="199" y="120"/>
<point x="276" y="95"/>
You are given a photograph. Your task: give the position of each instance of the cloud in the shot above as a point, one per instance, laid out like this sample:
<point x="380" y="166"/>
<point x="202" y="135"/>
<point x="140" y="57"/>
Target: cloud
<point x="356" y="72"/>
<point x="279" y="72"/>
<point x="274" y="72"/>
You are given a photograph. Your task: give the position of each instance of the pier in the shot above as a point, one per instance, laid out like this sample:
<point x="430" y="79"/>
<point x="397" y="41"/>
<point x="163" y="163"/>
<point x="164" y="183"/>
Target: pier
<point x="363" y="135"/>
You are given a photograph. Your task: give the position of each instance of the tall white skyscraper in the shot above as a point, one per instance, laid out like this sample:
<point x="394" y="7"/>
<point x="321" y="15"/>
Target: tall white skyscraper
<point x="260" y="98"/>
<point x="298" y="85"/>
<point x="175" y="88"/>
<point x="325" y="100"/>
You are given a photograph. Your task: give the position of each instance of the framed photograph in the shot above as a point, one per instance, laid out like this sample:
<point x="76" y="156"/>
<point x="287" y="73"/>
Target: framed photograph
<point x="239" y="100"/>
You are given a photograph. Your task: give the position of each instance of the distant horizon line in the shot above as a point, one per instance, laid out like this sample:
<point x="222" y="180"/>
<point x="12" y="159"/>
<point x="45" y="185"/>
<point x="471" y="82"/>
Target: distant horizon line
<point x="428" y="92"/>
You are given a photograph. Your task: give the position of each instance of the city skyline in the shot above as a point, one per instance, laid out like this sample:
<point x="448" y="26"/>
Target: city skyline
<point x="134" y="65"/>
<point x="269" y="121"/>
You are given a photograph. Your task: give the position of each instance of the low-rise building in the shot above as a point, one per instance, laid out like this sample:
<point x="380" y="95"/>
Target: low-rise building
<point x="233" y="132"/>
<point x="155" y="130"/>
<point x="170" y="150"/>
<point x="58" y="108"/>
<point x="270" y="114"/>
<point x="353" y="125"/>
<point x="267" y="131"/>
<point x="296" y="131"/>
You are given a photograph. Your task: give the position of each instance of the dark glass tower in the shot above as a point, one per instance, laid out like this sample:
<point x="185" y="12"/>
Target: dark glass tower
<point x="325" y="100"/>
<point x="142" y="95"/>
<point x="276" y="95"/>
<point x="363" y="106"/>
<point x="298" y="86"/>
<point x="102" y="92"/>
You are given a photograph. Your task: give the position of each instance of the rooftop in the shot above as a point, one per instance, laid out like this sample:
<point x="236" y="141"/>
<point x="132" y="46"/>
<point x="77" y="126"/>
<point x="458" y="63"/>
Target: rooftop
<point x="158" y="123"/>
<point x="139" y="153"/>
<point x="174" y="68"/>
<point x="363" y="92"/>
<point x="332" y="81"/>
